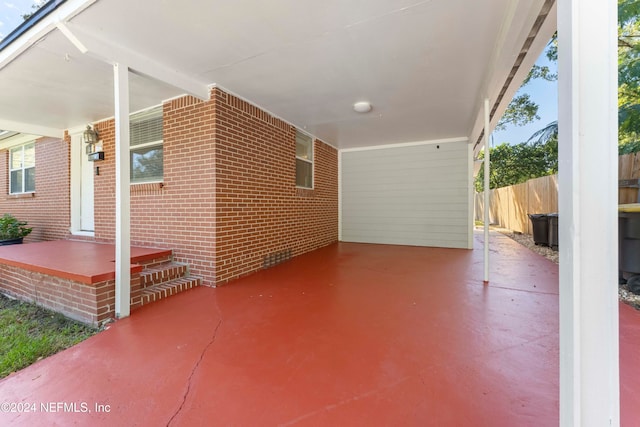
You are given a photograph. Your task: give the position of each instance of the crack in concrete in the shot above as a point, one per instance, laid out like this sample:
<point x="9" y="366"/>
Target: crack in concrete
<point x="511" y="347"/>
<point x="343" y="402"/>
<point x="494" y="286"/>
<point x="193" y="371"/>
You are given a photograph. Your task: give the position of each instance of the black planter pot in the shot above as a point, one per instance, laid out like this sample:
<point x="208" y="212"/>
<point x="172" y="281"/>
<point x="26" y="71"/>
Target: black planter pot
<point x="11" y="241"/>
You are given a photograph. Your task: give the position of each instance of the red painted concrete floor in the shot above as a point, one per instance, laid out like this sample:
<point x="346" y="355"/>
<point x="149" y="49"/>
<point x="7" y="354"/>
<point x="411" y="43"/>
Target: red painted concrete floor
<point x="349" y="335"/>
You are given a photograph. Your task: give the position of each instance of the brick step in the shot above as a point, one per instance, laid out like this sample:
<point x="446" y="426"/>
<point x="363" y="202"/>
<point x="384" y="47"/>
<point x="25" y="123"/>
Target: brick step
<point x="167" y="289"/>
<point x="162" y="273"/>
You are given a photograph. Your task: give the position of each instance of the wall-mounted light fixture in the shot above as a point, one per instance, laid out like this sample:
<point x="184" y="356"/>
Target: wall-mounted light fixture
<point x="94" y="146"/>
<point x="90" y="136"/>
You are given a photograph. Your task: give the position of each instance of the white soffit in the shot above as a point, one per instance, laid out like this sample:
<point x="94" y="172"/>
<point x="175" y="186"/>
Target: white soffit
<point x="423" y="65"/>
<point x="55" y="85"/>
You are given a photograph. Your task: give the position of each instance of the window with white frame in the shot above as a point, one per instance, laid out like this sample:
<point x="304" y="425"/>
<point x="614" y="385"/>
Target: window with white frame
<point x="22" y="169"/>
<point x="146" y="137"/>
<point x="304" y="160"/>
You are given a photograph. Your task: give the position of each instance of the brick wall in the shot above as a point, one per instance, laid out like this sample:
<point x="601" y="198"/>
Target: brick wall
<point x="47" y="210"/>
<point x="104" y="185"/>
<point x="178" y="214"/>
<point x="228" y="197"/>
<point x="259" y="209"/>
<point x="87" y="303"/>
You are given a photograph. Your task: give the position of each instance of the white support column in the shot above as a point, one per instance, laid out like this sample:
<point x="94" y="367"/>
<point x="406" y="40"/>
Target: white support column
<point x="588" y="175"/>
<point x="123" y="238"/>
<point x="487" y="165"/>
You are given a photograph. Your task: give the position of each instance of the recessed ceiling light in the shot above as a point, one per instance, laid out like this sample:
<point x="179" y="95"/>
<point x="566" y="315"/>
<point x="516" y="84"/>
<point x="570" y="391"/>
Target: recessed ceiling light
<point x="362" y="107"/>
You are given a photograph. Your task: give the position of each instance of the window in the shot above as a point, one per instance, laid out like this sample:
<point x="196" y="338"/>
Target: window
<point x="22" y="165"/>
<point x="145" y="132"/>
<point x="304" y="160"/>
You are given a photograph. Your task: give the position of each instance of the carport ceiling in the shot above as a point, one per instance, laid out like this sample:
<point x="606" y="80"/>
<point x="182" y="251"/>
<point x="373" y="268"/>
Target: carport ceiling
<point x="425" y="66"/>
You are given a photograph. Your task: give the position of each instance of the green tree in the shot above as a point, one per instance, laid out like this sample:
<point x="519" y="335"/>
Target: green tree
<point x="628" y="75"/>
<point x="520" y="111"/>
<point x="37" y="4"/>
<point x="628" y="81"/>
<point x="514" y="164"/>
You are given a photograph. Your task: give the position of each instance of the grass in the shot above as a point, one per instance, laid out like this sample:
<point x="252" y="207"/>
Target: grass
<point x="29" y="333"/>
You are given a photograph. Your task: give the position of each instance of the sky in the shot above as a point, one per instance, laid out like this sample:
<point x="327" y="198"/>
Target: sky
<point x="11" y="12"/>
<point x="544" y="93"/>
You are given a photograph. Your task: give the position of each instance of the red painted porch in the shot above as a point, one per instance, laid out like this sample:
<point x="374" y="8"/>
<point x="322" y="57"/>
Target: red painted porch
<point x="77" y="278"/>
<point x="351" y="335"/>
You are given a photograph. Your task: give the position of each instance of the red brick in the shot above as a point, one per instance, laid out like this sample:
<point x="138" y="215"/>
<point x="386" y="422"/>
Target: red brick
<point x="48" y="210"/>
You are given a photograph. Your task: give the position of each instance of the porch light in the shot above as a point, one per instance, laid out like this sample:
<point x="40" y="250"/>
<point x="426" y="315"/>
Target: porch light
<point x="93" y="148"/>
<point x="90" y="136"/>
<point x="362" y="107"/>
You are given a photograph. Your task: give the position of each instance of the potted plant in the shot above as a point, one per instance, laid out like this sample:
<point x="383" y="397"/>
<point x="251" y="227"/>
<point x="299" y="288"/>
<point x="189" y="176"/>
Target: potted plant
<point x="12" y="231"/>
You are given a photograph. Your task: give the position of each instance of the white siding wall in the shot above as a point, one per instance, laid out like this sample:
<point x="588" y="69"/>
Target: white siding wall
<point x="410" y="195"/>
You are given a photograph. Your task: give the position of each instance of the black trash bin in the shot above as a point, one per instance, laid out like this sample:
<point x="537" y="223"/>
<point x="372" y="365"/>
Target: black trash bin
<point x="622" y="222"/>
<point x="540" y="229"/>
<point x="553" y="230"/>
<point x="629" y="242"/>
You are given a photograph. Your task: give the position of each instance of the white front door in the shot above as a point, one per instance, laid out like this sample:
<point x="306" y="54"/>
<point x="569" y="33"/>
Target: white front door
<point x="82" y="171"/>
<point x="86" y="192"/>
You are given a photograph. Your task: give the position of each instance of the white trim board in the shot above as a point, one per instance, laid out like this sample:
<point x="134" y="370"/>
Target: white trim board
<point x="405" y="144"/>
<point x="16" y="140"/>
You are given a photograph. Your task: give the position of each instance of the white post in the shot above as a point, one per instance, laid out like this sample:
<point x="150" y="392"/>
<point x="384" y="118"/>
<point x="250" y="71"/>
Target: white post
<point x="487" y="162"/>
<point x="588" y="175"/>
<point x="123" y="239"/>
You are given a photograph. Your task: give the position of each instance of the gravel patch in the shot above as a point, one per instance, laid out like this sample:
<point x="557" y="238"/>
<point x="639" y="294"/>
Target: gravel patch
<point x="624" y="294"/>
<point x="527" y="241"/>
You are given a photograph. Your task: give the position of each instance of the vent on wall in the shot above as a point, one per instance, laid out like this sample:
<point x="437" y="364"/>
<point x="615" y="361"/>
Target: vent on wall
<point x="276" y="258"/>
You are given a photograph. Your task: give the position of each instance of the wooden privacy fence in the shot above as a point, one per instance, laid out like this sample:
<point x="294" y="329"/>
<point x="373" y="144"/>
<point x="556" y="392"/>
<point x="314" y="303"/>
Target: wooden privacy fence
<point x="509" y="206"/>
<point x="628" y="168"/>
